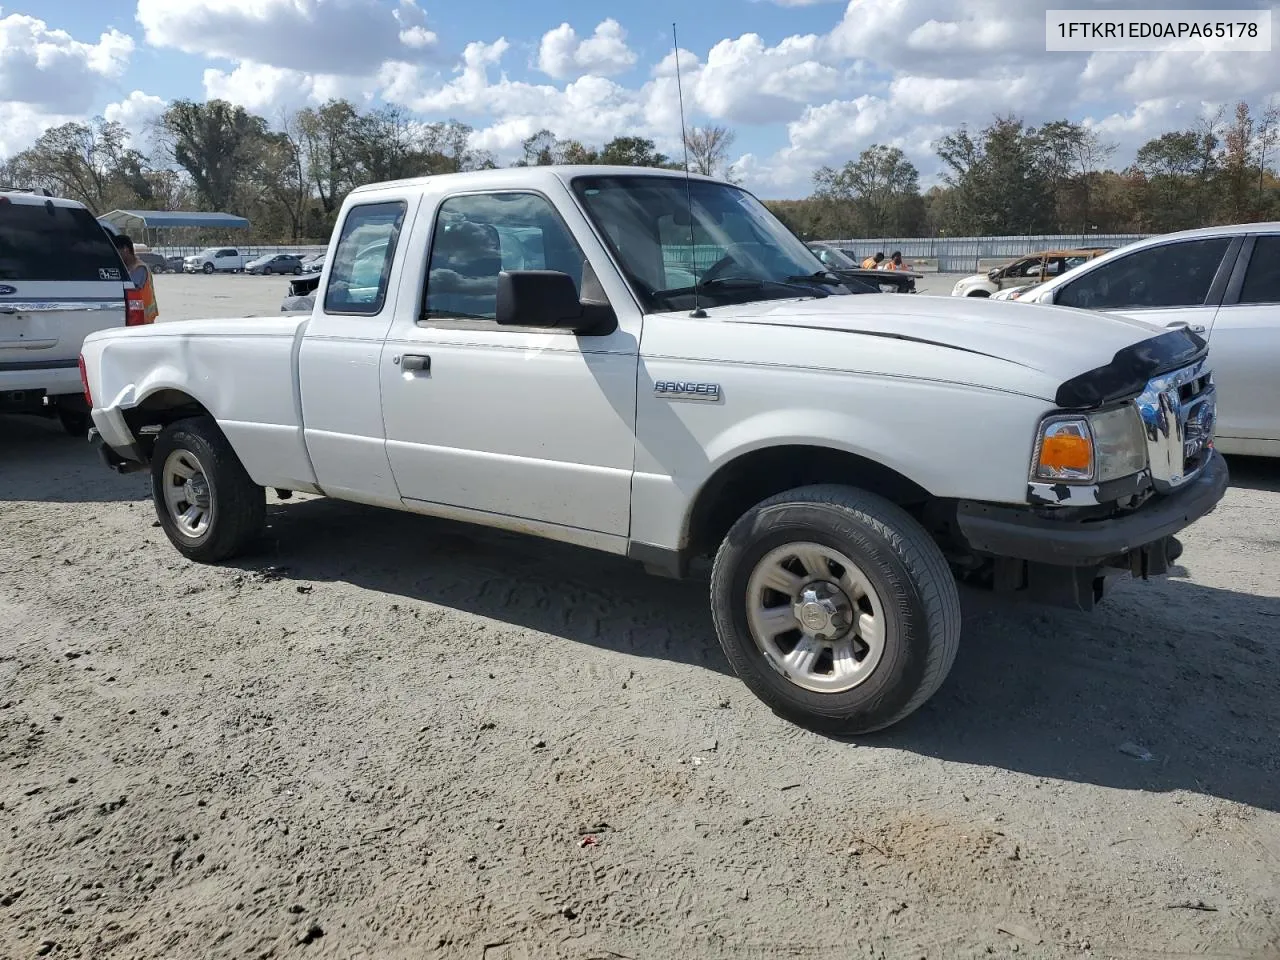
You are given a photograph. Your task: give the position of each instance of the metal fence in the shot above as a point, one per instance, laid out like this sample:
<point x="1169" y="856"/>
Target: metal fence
<point x="966" y="254"/>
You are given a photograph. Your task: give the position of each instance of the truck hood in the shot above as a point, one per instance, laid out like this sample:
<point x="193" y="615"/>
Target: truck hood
<point x="1055" y="341"/>
<point x="1048" y="353"/>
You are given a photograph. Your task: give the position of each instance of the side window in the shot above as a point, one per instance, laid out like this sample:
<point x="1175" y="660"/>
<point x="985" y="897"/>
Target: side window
<point x="1170" y="275"/>
<point x="1262" y="281"/>
<point x="362" y="264"/>
<point x="477" y="236"/>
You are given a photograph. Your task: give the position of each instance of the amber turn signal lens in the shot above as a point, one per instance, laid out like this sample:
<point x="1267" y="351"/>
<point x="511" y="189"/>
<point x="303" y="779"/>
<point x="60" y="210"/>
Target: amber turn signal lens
<point x="1066" y="451"/>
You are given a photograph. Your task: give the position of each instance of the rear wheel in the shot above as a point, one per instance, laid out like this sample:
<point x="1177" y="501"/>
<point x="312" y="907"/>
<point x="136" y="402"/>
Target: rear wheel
<point x="836" y="608"/>
<point x="206" y="503"/>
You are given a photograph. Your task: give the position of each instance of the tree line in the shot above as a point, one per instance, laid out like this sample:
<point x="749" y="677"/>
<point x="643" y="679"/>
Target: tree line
<point x="289" y="178"/>
<point x="1011" y="178"/>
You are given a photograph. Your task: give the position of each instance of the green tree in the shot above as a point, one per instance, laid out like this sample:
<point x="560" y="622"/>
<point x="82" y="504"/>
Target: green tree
<point x="216" y="143"/>
<point x="633" y="152"/>
<point x="89" y="162"/>
<point x="883" y="188"/>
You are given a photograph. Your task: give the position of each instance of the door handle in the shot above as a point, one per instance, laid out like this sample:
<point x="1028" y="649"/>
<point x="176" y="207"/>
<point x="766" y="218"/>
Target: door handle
<point x="415" y="363"/>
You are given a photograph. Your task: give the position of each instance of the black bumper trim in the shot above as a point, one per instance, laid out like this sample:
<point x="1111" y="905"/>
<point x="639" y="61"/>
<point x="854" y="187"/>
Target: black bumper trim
<point x="40" y="364"/>
<point x="1016" y="532"/>
<point x="112" y="459"/>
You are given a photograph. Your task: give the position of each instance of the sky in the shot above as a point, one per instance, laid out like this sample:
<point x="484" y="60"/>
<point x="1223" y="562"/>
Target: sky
<point x="802" y="83"/>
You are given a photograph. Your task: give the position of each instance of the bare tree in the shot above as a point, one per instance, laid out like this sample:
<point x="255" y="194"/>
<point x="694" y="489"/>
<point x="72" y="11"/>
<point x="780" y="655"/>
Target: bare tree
<point x="709" y="150"/>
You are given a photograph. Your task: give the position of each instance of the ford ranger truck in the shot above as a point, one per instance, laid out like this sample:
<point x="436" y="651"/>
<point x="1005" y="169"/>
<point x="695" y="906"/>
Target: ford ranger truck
<point x="657" y="368"/>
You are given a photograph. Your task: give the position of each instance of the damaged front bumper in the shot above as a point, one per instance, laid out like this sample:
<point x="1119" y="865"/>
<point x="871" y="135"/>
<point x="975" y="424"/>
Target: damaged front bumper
<point x="1065" y="561"/>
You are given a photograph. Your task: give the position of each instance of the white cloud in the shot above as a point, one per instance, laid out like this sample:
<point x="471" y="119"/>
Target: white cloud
<point x="136" y="113"/>
<point x="344" y="37"/>
<point x="21" y="124"/>
<point x="269" y="90"/>
<point x="562" y="54"/>
<point x="52" y="71"/>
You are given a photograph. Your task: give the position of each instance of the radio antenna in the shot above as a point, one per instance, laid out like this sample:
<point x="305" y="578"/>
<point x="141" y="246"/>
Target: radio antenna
<point x="698" y="313"/>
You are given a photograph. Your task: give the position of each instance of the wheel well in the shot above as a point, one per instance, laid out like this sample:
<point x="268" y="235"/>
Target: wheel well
<point x="159" y="410"/>
<point x="742" y="483"/>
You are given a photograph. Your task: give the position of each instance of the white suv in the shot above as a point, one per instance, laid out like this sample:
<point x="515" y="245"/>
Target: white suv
<point x="60" y="279"/>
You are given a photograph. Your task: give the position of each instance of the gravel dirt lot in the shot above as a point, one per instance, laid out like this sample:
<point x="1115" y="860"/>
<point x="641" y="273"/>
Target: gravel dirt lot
<point x="384" y="736"/>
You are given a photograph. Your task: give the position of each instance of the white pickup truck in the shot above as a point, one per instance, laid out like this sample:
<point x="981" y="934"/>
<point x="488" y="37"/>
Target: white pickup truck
<point x="215" y="260"/>
<point x="657" y="368"/>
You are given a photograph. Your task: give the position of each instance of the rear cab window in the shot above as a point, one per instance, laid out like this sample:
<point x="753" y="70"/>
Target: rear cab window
<point x="45" y="241"/>
<point x="362" y="263"/>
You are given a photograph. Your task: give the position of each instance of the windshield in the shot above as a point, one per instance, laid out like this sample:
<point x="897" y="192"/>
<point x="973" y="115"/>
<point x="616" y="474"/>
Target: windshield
<point x="733" y="248"/>
<point x="833" y="258"/>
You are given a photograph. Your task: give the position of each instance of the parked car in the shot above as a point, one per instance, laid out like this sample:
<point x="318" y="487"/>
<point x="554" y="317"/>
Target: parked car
<point x="1024" y="271"/>
<point x="215" y="260"/>
<point x="848" y="269"/>
<point x="275" y="263"/>
<point x="313" y="264"/>
<point x="832" y="453"/>
<point x="60" y="279"/>
<point x="155" y="262"/>
<point x="1222" y="284"/>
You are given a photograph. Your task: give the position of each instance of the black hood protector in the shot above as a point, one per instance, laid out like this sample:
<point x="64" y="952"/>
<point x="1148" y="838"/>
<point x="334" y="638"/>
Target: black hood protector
<point x="1130" y="369"/>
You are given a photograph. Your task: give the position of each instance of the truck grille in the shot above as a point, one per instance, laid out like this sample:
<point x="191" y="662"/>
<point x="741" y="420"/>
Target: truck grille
<point x="1179" y="412"/>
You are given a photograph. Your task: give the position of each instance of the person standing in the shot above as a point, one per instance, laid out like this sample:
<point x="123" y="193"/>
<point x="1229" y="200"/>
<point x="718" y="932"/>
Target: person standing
<point x="872" y="263"/>
<point x="139" y="274"/>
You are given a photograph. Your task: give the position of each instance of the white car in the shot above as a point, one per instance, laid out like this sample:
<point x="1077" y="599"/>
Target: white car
<point x="60" y="279"/>
<point x="525" y="349"/>
<point x="215" y="260"/>
<point x="1023" y="272"/>
<point x="1221" y="283"/>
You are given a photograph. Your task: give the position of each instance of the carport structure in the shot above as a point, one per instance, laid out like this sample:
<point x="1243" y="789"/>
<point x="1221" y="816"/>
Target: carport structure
<point x="158" y="227"/>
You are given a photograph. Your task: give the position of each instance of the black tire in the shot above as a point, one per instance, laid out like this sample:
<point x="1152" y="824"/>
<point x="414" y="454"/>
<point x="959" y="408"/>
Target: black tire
<point x="979" y="293"/>
<point x="208" y="268"/>
<point x="74" y="422"/>
<point x="237" y="505"/>
<point x="915" y="587"/>
<point x="267" y="271"/>
<point x="297" y="271"/>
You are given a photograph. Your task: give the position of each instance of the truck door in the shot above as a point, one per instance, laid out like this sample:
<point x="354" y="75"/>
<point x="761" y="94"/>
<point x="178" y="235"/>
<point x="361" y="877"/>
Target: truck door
<point x="508" y="422"/>
<point x="339" y="354"/>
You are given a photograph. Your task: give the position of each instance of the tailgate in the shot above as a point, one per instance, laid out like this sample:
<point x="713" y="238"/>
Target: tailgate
<point x="60" y="279"/>
<point x="43" y="324"/>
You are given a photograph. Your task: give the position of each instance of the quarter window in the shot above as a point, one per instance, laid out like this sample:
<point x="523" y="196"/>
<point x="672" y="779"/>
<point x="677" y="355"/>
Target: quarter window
<point x="362" y="264"/>
<point x="1170" y="275"/>
<point x="1262" y="281"/>
<point x="477" y="236"/>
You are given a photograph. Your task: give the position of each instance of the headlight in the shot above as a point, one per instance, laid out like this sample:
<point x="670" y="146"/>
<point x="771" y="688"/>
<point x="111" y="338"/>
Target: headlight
<point x="1089" y="448"/>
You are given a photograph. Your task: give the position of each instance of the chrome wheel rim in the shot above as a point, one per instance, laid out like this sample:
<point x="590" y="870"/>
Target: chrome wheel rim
<point x="815" y="617"/>
<point x="187" y="496"/>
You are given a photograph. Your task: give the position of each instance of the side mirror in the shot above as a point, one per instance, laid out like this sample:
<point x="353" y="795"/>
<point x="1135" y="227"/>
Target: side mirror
<point x="547" y="299"/>
<point x="993" y="273"/>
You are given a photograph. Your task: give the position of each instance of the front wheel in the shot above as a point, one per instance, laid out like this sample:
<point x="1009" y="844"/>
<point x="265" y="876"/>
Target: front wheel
<point x="979" y="293"/>
<point x="267" y="271"/>
<point x="836" y="608"/>
<point x="206" y="503"/>
<point x="208" y="268"/>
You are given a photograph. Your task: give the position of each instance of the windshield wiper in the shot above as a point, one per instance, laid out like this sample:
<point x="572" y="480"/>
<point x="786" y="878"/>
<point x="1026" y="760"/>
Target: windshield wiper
<point x="822" y="276"/>
<point x="754" y="283"/>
